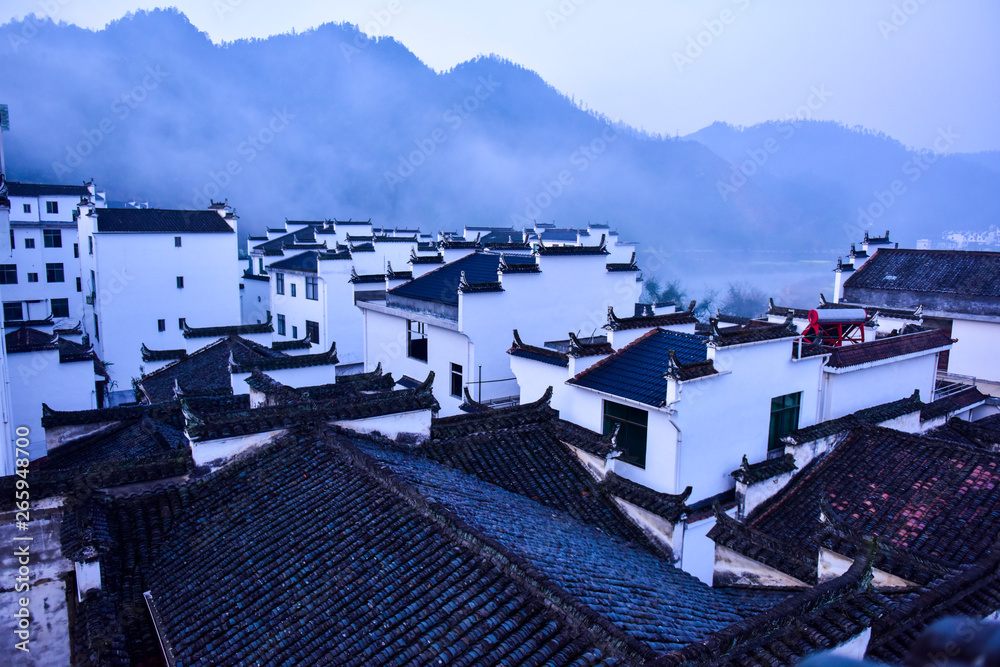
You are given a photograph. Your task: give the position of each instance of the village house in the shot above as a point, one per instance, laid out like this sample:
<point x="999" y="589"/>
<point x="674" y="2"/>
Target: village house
<point x="455" y="319"/>
<point x="149" y="275"/>
<point x="41" y="274"/>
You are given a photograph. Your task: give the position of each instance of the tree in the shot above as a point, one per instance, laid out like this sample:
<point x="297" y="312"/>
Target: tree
<point x="744" y="300"/>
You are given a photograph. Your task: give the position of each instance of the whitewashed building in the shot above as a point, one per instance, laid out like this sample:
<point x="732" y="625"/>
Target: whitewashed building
<point x="456" y="319"/>
<point x="41" y="270"/>
<point x="149" y="274"/>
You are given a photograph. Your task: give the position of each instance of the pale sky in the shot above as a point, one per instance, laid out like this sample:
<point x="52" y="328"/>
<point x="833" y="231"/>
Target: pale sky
<point x="904" y="67"/>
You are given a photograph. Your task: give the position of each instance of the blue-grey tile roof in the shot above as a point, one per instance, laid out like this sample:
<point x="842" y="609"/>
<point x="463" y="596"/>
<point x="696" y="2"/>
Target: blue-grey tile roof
<point x="637" y="371"/>
<point x="961" y="272"/>
<point x="646" y="596"/>
<point x="16" y="189"/>
<point x="304" y="261"/>
<point x="441" y="285"/>
<point x="161" y="221"/>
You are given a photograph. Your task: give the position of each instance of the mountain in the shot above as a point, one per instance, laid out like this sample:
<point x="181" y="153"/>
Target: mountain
<point x="328" y="123"/>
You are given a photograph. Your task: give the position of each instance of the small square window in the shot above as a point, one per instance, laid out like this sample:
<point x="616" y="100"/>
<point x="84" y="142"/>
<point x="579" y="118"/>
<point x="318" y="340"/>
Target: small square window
<point x="54" y="273"/>
<point x="181" y="323"/>
<point x="180" y="282"/>
<point x="161" y="325"/>
<point x="52" y="238"/>
<point x="12" y="311"/>
<point x="51" y="207"/>
<point x="32" y="277"/>
<point x="60" y="307"/>
<point x="29" y="243"/>
<point x="177" y="242"/>
<point x="27" y="208"/>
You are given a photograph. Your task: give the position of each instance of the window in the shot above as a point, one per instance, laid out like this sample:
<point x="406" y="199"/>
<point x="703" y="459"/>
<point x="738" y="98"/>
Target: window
<point x="60" y="307"/>
<point x="27" y="208"/>
<point x="54" y="273"/>
<point x="97" y="331"/>
<point x="79" y="284"/>
<point x="295" y="332"/>
<point x="161" y="325"/>
<point x="12" y="311"/>
<point x="32" y="277"/>
<point x="279" y="283"/>
<point x="29" y="243"/>
<point x="181" y="323"/>
<point x="632" y="425"/>
<point x="260" y="265"/>
<point x="293" y="289"/>
<point x="93" y="281"/>
<point x="180" y="282"/>
<point x="52" y="238"/>
<point x="76" y="250"/>
<point x="784" y="420"/>
<point x="12" y="239"/>
<point x="8" y="274"/>
<point x="177" y="242"/>
<point x="312" y="331"/>
<point x="416" y="340"/>
<point x="281" y="325"/>
<point x="90" y="244"/>
<point x="312" y="288"/>
<point x="51" y="207"/>
<point x="456" y="380"/>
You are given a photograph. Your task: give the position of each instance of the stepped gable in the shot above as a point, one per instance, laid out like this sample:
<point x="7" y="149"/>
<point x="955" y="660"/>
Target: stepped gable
<point x="543" y="354"/>
<point x="275" y="361"/>
<point x="753" y="473"/>
<point x="402" y="580"/>
<point x="756" y="545"/>
<point x="616" y="323"/>
<point x="624" y="266"/>
<point x="915" y="494"/>
<point x="639" y="371"/>
<point x="162" y="355"/>
<point x="670" y="507"/>
<point x="750" y="333"/>
<point x="652" y="602"/>
<point x="817" y="619"/>
<point x="284" y="345"/>
<point x="206" y="371"/>
<point x="132" y="440"/>
<point x="552" y="250"/>
<point x="235" y="330"/>
<point x="518" y="448"/>
<point x="869" y="416"/>
<point x="974" y="592"/>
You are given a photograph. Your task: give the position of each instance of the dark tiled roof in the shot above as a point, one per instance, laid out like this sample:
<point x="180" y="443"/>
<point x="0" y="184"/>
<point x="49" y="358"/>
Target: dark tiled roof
<point x="277" y="361"/>
<point x="880" y="349"/>
<point x="973" y="593"/>
<point x="30" y="340"/>
<point x="282" y="345"/>
<point x="670" y="507"/>
<point x="976" y="434"/>
<point x="961" y="272"/>
<point x="644" y="595"/>
<point x="162" y="355"/>
<point x="522" y="267"/>
<point x="70" y="351"/>
<point x="254" y="276"/>
<point x="441" y="285"/>
<point x="752" y="473"/>
<point x="624" y="266"/>
<point x="390" y="274"/>
<point x="616" y="323"/>
<point x="131" y="440"/>
<point x="939" y="501"/>
<point x="206" y="371"/>
<point x="871" y="416"/>
<point x="818" y="619"/>
<point x="366" y="279"/>
<point x="234" y="330"/>
<point x="160" y="221"/>
<point x="790" y="558"/>
<point x="400" y="580"/>
<point x="638" y="370"/>
<point x="425" y="259"/>
<point x="543" y="354"/>
<point x="750" y="333"/>
<point x="599" y="249"/>
<point x="304" y="261"/>
<point x="784" y="311"/>
<point x="16" y="189"/>
<point x="951" y="404"/>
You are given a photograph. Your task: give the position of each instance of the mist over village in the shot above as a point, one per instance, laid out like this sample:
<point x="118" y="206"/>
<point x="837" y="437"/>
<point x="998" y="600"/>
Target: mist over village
<point x="555" y="333"/>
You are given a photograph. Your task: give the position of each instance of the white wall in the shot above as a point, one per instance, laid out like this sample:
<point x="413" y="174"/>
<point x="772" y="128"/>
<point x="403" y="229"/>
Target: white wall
<point x="976" y="352"/>
<point x="255" y="301"/>
<point x="38" y="377"/>
<point x="867" y="387"/>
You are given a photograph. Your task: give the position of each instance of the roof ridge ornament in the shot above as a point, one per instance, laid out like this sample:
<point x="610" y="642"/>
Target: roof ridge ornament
<point x="518" y="343"/>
